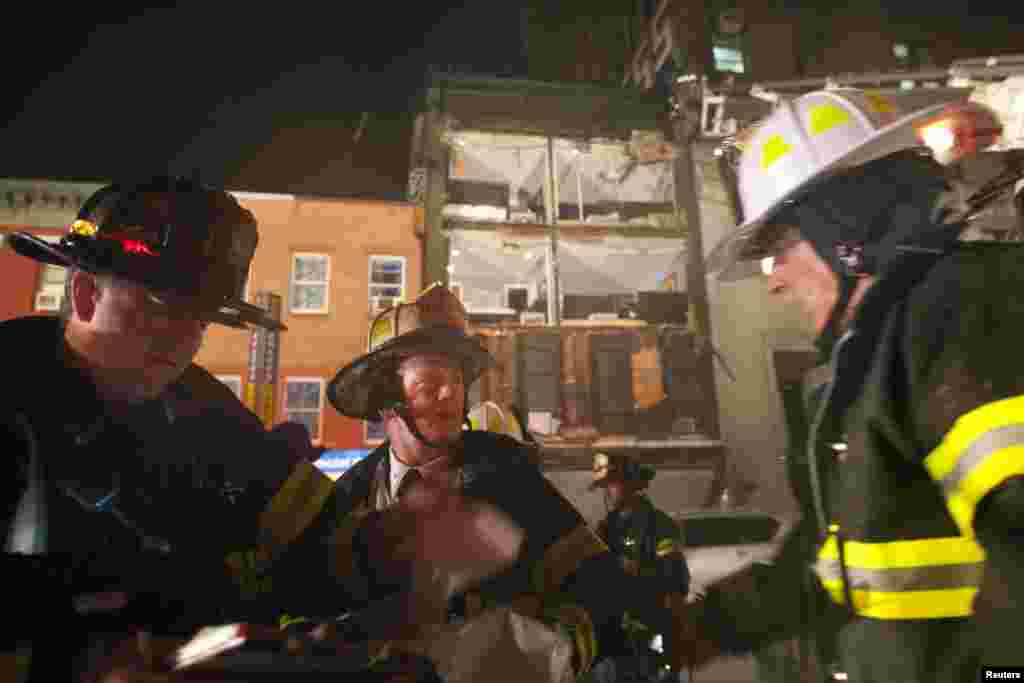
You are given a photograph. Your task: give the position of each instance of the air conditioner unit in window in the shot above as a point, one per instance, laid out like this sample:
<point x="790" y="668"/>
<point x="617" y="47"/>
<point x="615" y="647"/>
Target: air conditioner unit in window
<point x="379" y="304"/>
<point x="48" y="301"/>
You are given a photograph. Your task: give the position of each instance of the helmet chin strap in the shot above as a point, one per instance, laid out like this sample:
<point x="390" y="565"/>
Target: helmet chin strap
<point x="830" y="335"/>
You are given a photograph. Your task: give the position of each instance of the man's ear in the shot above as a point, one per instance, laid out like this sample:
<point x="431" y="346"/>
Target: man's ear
<point x="85" y="292"/>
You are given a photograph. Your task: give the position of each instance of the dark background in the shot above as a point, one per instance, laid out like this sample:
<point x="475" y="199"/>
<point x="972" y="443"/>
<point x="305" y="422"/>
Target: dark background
<point x="269" y="96"/>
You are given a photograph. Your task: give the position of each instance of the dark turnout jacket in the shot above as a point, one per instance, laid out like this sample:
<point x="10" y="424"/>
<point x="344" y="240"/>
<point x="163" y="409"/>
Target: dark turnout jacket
<point x="563" y="563"/>
<point x="184" y="503"/>
<point x="914" y="509"/>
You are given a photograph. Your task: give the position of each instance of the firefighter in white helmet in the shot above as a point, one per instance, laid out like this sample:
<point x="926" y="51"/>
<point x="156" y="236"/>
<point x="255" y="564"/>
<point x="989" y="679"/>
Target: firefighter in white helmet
<point x="912" y="472"/>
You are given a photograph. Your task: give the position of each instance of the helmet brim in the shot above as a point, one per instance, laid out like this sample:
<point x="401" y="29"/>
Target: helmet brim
<point x="231" y="312"/>
<point x="742" y="244"/>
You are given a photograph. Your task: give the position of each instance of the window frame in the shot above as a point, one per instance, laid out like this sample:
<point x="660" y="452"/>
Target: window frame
<point x="41" y="285"/>
<point x="516" y="285"/>
<point x="292" y="283"/>
<point x="286" y="412"/>
<point x="370" y="296"/>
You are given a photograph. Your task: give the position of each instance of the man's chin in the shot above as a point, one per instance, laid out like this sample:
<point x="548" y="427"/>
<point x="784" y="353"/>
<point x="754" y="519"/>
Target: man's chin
<point x="445" y="437"/>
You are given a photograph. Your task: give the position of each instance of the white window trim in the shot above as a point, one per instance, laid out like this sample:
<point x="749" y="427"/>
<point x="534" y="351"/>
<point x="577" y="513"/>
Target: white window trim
<point x="509" y="287"/>
<point x="327" y="284"/>
<point x="44" y="289"/>
<point x="369" y="278"/>
<point x="318" y="437"/>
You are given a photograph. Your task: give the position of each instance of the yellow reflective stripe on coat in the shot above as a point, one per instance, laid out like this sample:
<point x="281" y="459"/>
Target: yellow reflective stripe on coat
<point x="576" y="623"/>
<point x="927" y="578"/>
<point x="563" y="557"/>
<point x="984" y="448"/>
<point x="295" y="506"/>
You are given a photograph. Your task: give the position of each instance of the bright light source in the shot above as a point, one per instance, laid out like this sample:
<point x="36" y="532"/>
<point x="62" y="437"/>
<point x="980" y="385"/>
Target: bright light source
<point x="451" y="268"/>
<point x="455" y="252"/>
<point x="839" y="447"/>
<point x="900" y="51"/>
<point x="940" y="136"/>
<point x="768" y="265"/>
<point x="527" y="256"/>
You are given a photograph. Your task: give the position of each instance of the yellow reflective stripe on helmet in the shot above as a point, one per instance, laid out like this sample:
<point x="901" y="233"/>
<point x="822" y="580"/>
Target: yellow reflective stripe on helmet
<point x="825" y="117"/>
<point x="294" y="507"/>
<point x="983" y="449"/>
<point x="666" y="546"/>
<point x="773" y="149"/>
<point x="563" y="557"/>
<point x="919" y="579"/>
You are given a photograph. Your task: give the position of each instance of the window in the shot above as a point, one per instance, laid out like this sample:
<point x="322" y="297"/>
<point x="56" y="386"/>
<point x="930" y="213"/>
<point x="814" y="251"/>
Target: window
<point x="728" y="58"/>
<point x="50" y="290"/>
<point x="310" y="279"/>
<point x="517" y="297"/>
<point x="375" y="432"/>
<point x="304" y="402"/>
<point x="387" y="282"/>
<point x="233" y="382"/>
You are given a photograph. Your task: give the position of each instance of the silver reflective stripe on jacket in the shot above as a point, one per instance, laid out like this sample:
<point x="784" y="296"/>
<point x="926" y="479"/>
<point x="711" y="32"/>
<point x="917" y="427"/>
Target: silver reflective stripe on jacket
<point x="898" y="579"/>
<point x="27" y="534"/>
<point x="982" y="447"/>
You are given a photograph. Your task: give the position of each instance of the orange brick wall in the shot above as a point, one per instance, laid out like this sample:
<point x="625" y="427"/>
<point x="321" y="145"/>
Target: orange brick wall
<point x="317" y="345"/>
<point x="19" y="277"/>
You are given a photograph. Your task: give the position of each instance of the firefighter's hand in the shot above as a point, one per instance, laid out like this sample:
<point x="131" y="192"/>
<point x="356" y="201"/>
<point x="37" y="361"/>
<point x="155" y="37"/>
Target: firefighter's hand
<point x="435" y="535"/>
<point x="685" y="646"/>
<point x="138" y="658"/>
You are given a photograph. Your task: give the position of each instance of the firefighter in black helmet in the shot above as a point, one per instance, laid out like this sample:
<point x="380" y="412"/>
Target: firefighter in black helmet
<point x="137" y="490"/>
<point x="649" y="545"/>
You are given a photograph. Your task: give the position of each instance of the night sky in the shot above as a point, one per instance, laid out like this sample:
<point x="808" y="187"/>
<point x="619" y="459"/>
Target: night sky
<point x="211" y="87"/>
<point x="255" y="96"/>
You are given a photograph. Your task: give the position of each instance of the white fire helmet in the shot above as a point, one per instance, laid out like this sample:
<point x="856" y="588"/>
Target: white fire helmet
<point x="812" y="136"/>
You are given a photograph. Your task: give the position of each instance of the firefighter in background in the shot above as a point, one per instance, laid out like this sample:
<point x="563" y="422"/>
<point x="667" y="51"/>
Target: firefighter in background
<point x="415" y="377"/>
<point x="918" y="508"/>
<point x="648" y="544"/>
<point x="137" y="490"/>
